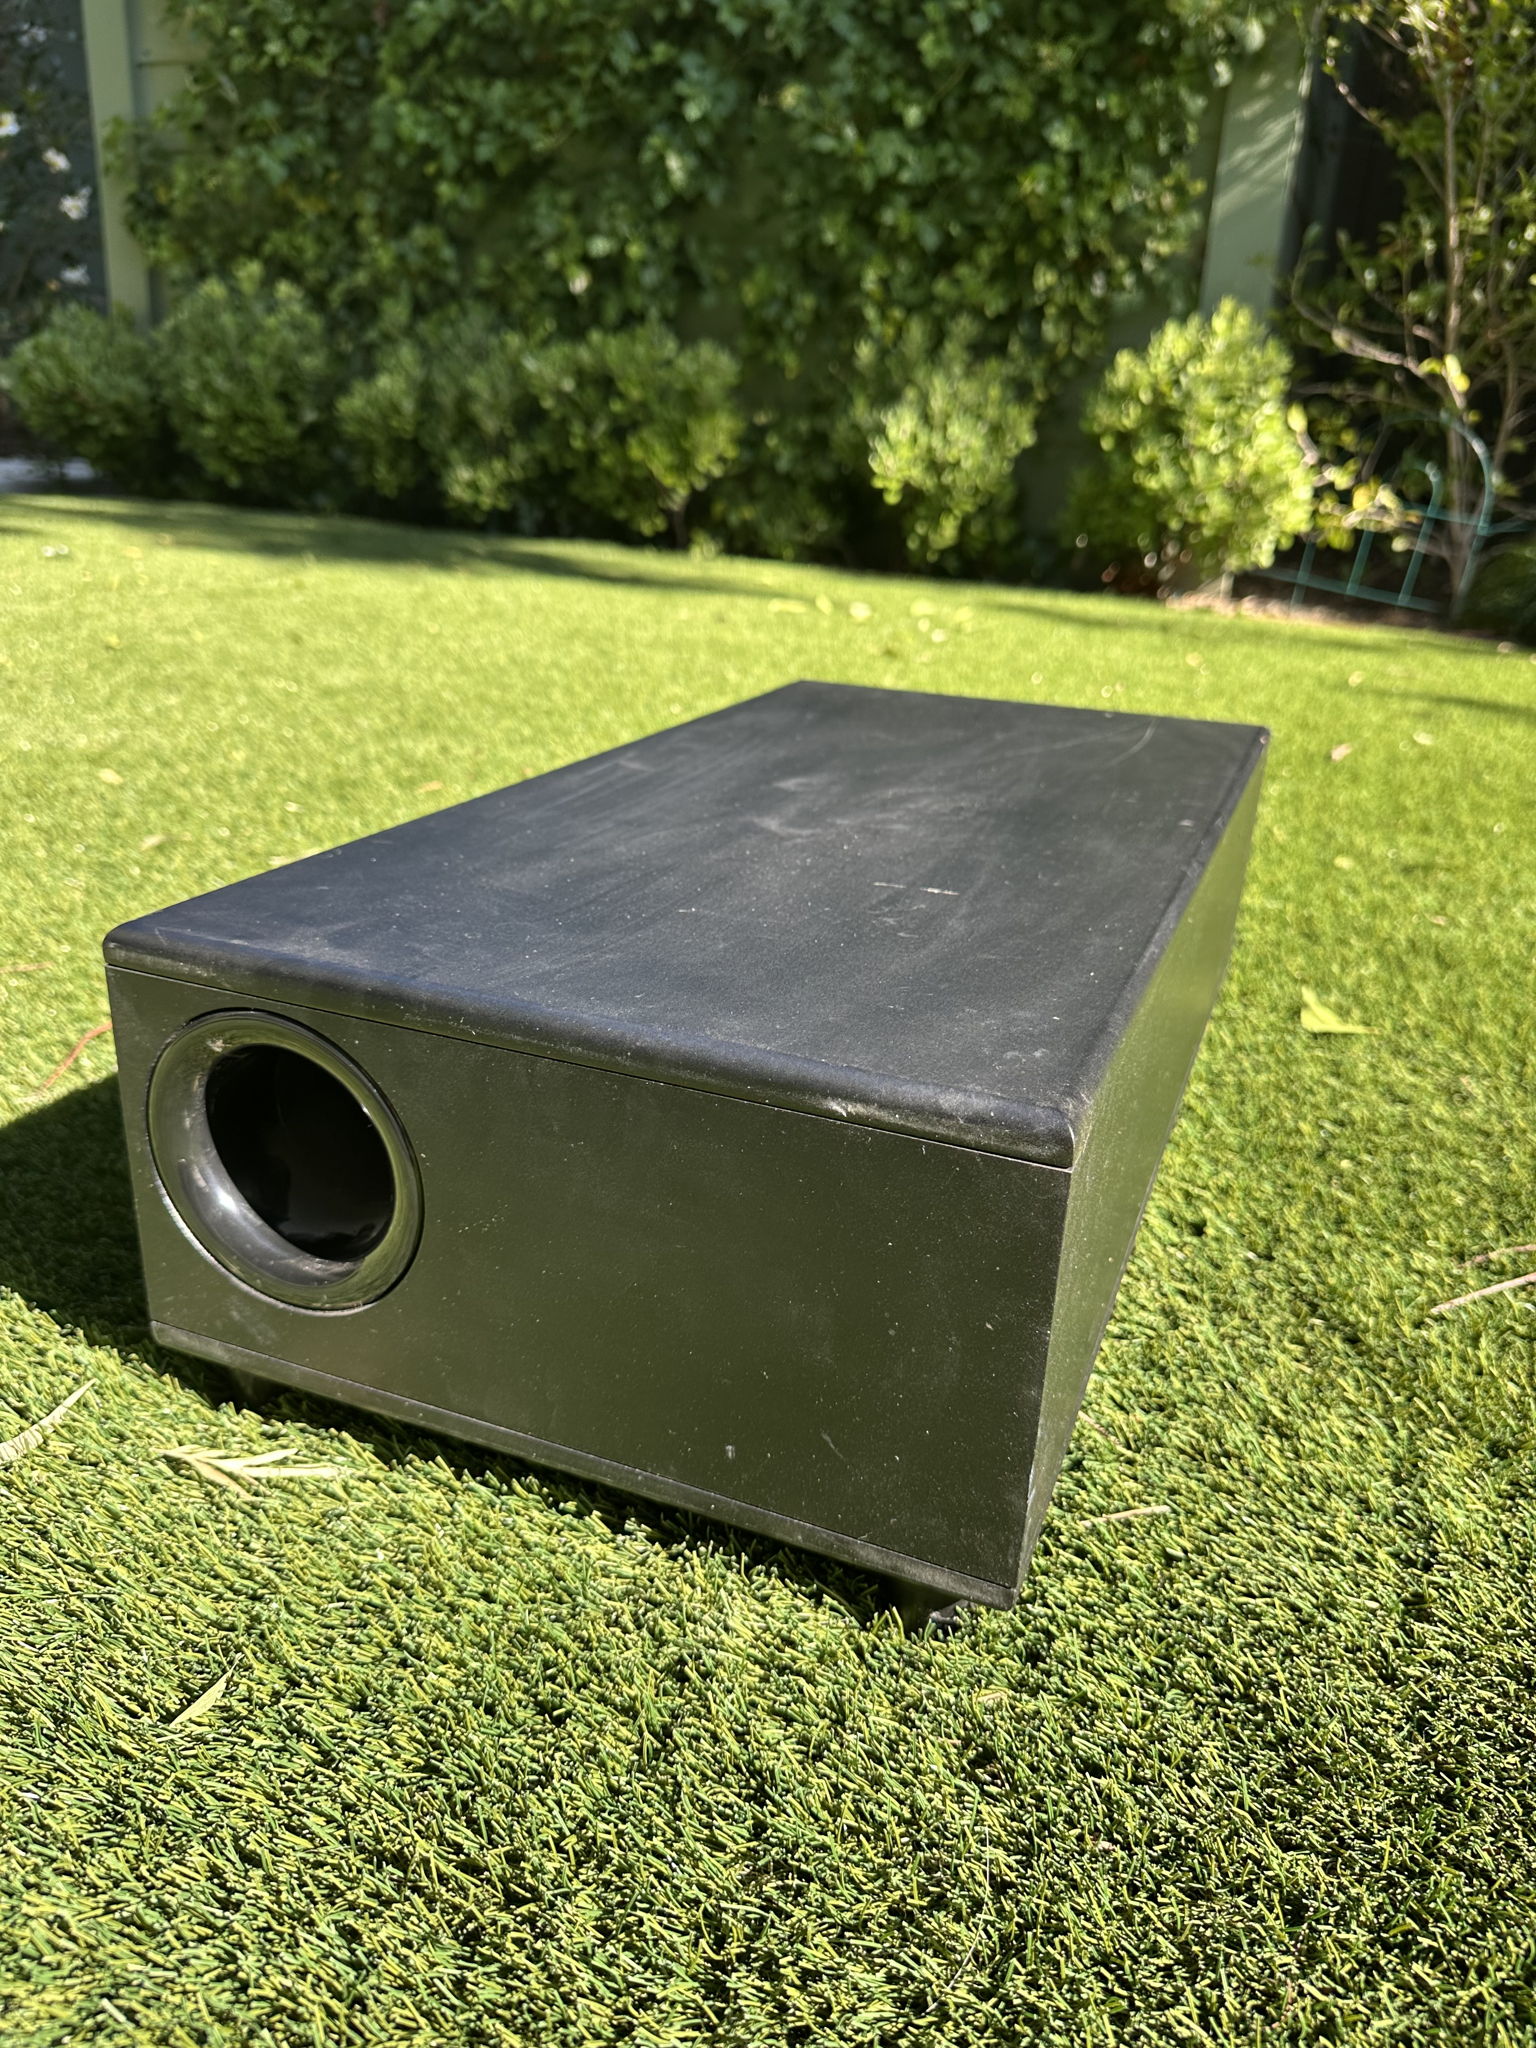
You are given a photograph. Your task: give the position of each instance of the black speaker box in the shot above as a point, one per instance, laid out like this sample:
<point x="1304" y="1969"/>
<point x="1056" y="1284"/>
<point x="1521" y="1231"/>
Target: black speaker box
<point x="756" y="1118"/>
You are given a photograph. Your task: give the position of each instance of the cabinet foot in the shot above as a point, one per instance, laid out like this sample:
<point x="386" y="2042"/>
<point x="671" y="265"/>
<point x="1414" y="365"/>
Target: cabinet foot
<point x="921" y="1611"/>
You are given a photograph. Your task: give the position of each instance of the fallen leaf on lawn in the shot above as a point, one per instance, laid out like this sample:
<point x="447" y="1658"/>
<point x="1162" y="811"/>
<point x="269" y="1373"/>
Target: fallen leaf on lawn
<point x="1425" y="739"/>
<point x="1316" y="1016"/>
<point x="787" y="604"/>
<point x="1342" y="860"/>
<point x="1340" y="753"/>
<point x="110" y="775"/>
<point x="154" y="839"/>
<point x="426" y="788"/>
<point x="111" y="640"/>
<point x="203" y="1704"/>
<point x="824" y="605"/>
<point x="25" y="967"/>
<point x="96" y="1031"/>
<point x="242" y="1472"/>
<point x="18" y="1446"/>
<point x="860" y="611"/>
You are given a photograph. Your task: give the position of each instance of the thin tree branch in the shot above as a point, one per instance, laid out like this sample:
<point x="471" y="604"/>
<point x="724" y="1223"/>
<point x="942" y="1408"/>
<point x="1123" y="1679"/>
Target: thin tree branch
<point x="1481" y="1293"/>
<point x="96" y="1031"/>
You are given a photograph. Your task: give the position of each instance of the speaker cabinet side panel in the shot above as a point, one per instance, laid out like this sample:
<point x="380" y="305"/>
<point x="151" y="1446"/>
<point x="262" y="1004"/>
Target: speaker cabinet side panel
<point x="1132" y="1116"/>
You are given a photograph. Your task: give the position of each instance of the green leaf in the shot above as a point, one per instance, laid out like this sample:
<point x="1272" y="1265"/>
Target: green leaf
<point x="240" y="1473"/>
<point x="203" y="1704"/>
<point x="17" y="1446"/>
<point x="1316" y="1016"/>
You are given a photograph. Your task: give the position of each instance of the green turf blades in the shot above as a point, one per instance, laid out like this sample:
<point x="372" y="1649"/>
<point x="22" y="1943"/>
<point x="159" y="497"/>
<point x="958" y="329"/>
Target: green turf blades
<point x="498" y="1760"/>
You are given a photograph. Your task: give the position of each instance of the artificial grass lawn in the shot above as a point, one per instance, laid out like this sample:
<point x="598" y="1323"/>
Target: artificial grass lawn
<point x="503" y="1759"/>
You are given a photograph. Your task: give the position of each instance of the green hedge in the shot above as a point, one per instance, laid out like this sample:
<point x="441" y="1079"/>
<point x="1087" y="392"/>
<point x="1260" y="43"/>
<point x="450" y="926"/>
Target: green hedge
<point x="240" y="392"/>
<point x="906" y="224"/>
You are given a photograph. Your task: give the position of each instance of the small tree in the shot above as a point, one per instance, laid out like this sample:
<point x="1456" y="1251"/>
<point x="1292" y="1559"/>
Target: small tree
<point x="1202" y="472"/>
<point x="1440" y="314"/>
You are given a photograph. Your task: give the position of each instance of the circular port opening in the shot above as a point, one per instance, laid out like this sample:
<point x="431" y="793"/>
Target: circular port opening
<point x="302" y="1150"/>
<point x="283" y="1160"/>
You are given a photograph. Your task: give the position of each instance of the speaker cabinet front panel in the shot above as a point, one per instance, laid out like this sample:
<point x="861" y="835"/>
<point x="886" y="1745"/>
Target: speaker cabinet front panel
<point x="843" y="1327"/>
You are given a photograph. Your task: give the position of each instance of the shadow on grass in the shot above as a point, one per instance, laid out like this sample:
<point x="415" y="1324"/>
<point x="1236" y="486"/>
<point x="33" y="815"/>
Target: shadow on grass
<point x="337" y="537"/>
<point x="346" y="537"/>
<point x="69" y="1248"/>
<point x="67" y="1239"/>
<point x="1442" y="700"/>
<point x="1106" y="611"/>
<point x="396" y="1444"/>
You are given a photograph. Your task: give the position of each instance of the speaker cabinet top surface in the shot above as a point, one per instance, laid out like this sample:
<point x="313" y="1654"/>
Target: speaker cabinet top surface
<point x="927" y="914"/>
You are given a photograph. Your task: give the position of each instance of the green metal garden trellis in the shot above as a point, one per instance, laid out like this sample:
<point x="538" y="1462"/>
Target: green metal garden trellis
<point x="1422" y="520"/>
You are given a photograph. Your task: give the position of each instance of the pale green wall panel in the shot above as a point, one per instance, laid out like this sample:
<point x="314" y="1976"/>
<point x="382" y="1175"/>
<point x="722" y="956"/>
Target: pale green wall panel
<point x="134" y="62"/>
<point x="1248" y="227"/>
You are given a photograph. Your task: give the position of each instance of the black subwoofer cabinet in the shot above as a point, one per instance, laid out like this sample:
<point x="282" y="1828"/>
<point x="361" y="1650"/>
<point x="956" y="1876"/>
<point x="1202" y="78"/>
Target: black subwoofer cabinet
<point x="756" y="1118"/>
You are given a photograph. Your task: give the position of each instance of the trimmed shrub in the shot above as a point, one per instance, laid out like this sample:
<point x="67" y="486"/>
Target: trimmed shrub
<point x="453" y="413"/>
<point x="87" y="385"/>
<point x="483" y="427"/>
<point x="631" y="425"/>
<point x="250" y="380"/>
<point x="1201" y="471"/>
<point x="380" y="421"/>
<point x="641" y="422"/>
<point x="943" y="454"/>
